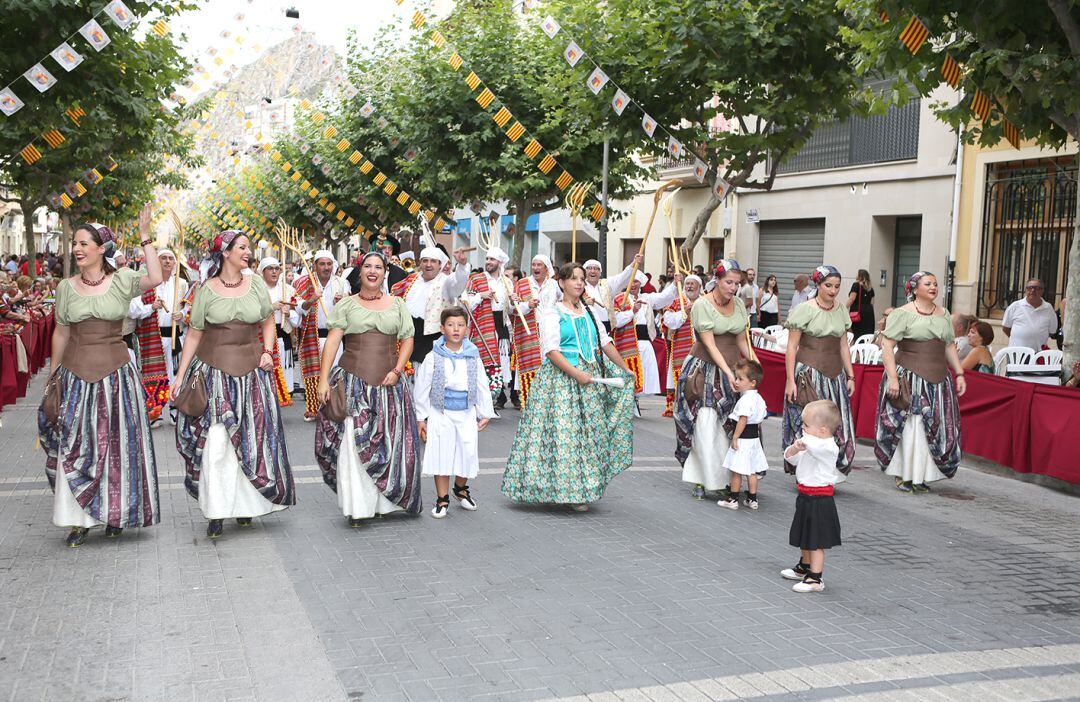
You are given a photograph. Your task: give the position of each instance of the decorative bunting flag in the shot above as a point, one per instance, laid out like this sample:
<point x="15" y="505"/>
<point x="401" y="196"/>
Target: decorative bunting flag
<point x="550" y="26"/>
<point x="980" y="104"/>
<point x="620" y="101"/>
<point x="563" y="181"/>
<point x="546" y="164"/>
<point x="9" y="102"/>
<point x="93" y="33"/>
<point x="573" y="53"/>
<point x="53" y="138"/>
<point x="472" y="80"/>
<point x="67" y="57"/>
<point x="367" y="110"/>
<point x="914" y="35"/>
<point x="161" y="29"/>
<point x="515" y="131"/>
<point x="30" y="154"/>
<point x="438" y="39"/>
<point x="75" y="114"/>
<point x="597" y="80"/>
<point x="700" y="169"/>
<point x="39" y="77"/>
<point x="119" y="13"/>
<point x="485" y="98"/>
<point x="355" y="157"/>
<point x="721" y="188"/>
<point x="648" y="124"/>
<point x="455" y="61"/>
<point x="950" y="71"/>
<point x="674" y="147"/>
<point x="1012" y="134"/>
<point x="532" y="149"/>
<point x="502" y="117"/>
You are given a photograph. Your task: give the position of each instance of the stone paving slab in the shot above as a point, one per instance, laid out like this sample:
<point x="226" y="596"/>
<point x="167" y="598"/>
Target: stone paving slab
<point x="969" y="591"/>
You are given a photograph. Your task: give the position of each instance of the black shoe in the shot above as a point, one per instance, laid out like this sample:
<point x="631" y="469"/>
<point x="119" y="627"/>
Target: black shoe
<point x="113" y="532"/>
<point x="77" y="537"/>
<point x="501" y="404"/>
<point x="215" y="528"/>
<point x="355" y="522"/>
<point x="243" y="521"/>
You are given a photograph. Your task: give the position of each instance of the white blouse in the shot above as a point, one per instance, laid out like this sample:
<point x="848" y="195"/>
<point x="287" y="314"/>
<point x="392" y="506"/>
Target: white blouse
<point x="550" y="327"/>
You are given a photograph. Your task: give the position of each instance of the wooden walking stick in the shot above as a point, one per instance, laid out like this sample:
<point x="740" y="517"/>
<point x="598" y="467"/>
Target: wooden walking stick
<point x="641" y="250"/>
<point x="674" y="247"/>
<point x="290" y="239"/>
<point x="488" y="241"/>
<point x="179" y="226"/>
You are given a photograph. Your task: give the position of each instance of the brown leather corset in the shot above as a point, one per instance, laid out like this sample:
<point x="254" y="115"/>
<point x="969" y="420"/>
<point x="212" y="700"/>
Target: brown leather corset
<point x="233" y="347"/>
<point x="369" y="355"/>
<point x="925" y="359"/>
<point x="821" y="353"/>
<point x="726" y="344"/>
<point x="95" y="348"/>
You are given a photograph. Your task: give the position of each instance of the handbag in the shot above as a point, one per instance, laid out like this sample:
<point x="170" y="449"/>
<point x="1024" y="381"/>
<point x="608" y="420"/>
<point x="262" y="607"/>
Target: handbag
<point x="336" y="408"/>
<point x="902" y="401"/>
<point x="694" y="384"/>
<point x="50" y="404"/>
<point x="856" y="316"/>
<point x="804" y="390"/>
<point x="192" y="399"/>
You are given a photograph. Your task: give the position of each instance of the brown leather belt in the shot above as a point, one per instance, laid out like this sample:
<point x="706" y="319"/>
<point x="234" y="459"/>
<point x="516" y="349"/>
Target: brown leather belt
<point x="726" y="344"/>
<point x="821" y="353"/>
<point x="233" y="347"/>
<point x="369" y="355"/>
<point x="925" y="359"/>
<point x="95" y="348"/>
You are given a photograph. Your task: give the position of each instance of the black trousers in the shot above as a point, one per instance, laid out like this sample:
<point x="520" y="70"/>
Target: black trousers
<point x="422" y="343"/>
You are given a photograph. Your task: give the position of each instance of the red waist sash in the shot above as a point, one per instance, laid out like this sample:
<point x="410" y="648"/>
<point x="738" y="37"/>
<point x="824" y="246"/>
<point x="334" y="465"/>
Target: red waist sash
<point x="816" y="490"/>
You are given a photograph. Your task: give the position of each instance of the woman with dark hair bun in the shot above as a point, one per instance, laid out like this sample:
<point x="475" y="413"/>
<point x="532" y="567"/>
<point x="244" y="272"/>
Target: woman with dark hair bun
<point x="229" y="430"/>
<point x="93" y="420"/>
<point x="577" y="431"/>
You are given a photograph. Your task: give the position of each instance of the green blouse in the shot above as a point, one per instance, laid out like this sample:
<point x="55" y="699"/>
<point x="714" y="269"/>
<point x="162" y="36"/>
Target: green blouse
<point x="112" y="305"/>
<point x="209" y="307"/>
<point x="905" y="324"/>
<point x="706" y="318"/>
<point x="811" y="320"/>
<point x="352" y="317"/>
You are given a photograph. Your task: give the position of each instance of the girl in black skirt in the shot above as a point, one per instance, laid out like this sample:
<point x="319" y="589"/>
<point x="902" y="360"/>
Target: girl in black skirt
<point x="816" y="526"/>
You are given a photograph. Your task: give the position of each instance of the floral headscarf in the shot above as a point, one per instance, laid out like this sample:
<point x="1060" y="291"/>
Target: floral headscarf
<point x="218" y="245"/>
<point x="913" y="282"/>
<point x="108" y="240"/>
<point x="725" y="266"/>
<point x="823" y="273"/>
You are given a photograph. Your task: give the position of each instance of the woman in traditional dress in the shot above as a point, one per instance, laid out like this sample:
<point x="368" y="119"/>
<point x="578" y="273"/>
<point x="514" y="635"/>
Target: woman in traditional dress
<point x="818" y="364"/>
<point x="234" y="448"/>
<point x="705" y="394"/>
<point x="575" y="434"/>
<point x="367" y="444"/>
<point x="918" y="422"/>
<point x="93" y="421"/>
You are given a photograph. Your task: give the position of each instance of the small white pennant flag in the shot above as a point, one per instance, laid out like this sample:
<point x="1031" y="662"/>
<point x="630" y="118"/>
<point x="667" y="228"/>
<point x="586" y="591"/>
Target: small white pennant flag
<point x="367" y="110"/>
<point x="573" y="53"/>
<point x="9" y="102"/>
<point x="93" y="33"/>
<point x="550" y="26"/>
<point x="597" y="80"/>
<point x="648" y="124"/>
<point x="67" y="57"/>
<point x="700" y="169"/>
<point x="620" y="101"/>
<point x="721" y="189"/>
<point x="674" y="147"/>
<point x="40" y="78"/>
<point x="118" y="12"/>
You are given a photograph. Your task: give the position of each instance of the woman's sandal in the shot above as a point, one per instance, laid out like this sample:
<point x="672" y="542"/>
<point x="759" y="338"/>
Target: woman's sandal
<point x="465" y="499"/>
<point x="442" y="505"/>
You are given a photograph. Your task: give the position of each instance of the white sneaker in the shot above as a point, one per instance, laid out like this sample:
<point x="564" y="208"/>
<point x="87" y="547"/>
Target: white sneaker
<point x="729" y="504"/>
<point x="440" y="509"/>
<point x="752" y="504"/>
<point x="805" y="586"/>
<point x="309" y="419"/>
<point x="792" y="574"/>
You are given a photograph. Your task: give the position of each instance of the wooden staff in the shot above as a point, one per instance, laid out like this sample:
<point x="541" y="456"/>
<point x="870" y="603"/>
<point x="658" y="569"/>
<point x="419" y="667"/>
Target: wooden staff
<point x="176" y="274"/>
<point x="574" y="200"/>
<point x="488" y="242"/>
<point x="641" y="250"/>
<point x="675" y="262"/>
<point x="291" y="240"/>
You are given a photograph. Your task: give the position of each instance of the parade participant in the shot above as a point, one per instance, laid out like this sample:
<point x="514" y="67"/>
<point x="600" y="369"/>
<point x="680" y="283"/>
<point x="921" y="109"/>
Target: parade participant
<point x="229" y="431"/>
<point x="598" y="291"/>
<point x="452" y="405"/>
<point x="367" y="442"/>
<point x="745" y="457"/>
<point x="918" y="421"/>
<point x="575" y="434"/>
<point x="318" y="298"/>
<point x="286" y="318"/>
<point x="635" y="328"/>
<point x="681" y="338"/>
<point x="173" y="289"/>
<point x="815" y="526"/>
<point x="705" y="394"/>
<point x="427" y="291"/>
<point x="92" y="422"/>
<point x="488" y="298"/>
<point x="534" y="292"/>
<point x="153" y="365"/>
<point x="389" y="247"/>
<point x="818" y="363"/>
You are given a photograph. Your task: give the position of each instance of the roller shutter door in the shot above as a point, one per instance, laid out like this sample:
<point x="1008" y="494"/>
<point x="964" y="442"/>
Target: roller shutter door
<point x="787" y="248"/>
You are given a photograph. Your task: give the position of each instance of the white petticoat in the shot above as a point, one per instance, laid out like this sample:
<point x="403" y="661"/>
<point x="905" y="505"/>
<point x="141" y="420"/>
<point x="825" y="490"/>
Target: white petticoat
<point x="705" y="464"/>
<point x="748" y="460"/>
<point x="357" y="493"/>
<point x="452" y="446"/>
<point x="912" y="460"/>
<point x="224" y="491"/>
<point x="66" y="510"/>
<point x="651" y="384"/>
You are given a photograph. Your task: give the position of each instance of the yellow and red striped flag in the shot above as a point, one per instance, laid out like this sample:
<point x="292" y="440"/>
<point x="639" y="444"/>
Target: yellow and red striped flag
<point x="75" y="114"/>
<point x="472" y="80"/>
<point x="418" y="19"/>
<point x="402" y="198"/>
<point x="502" y="117"/>
<point x="564" y="181"/>
<point x="455" y="60"/>
<point x="355" y="157"/>
<point x="980" y="104"/>
<point x="53" y="138"/>
<point x="342" y="145"/>
<point x="390" y="188"/>
<point x="515" y="131"/>
<point x="160" y="28"/>
<point x="330" y="132"/>
<point x="366" y="168"/>
<point x="914" y="34"/>
<point x="30" y="154"/>
<point x="532" y="149"/>
<point x="950" y="71"/>
<point x="1012" y="134"/>
<point x="65" y="200"/>
<point x="414" y="207"/>
<point x="438" y="39"/>
<point x="547" y="164"/>
<point x="485" y="97"/>
<point x="598" y="212"/>
<point x="379" y="179"/>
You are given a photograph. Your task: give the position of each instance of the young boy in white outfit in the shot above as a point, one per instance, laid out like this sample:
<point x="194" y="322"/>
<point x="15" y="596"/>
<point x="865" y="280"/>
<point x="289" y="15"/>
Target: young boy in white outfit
<point x="453" y="403"/>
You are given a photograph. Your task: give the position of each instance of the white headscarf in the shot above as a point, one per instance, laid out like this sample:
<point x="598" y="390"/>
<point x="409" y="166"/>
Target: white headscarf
<point x="498" y="254"/>
<point x="165" y="252"/>
<point x="323" y="253"/>
<point x="688" y="278"/>
<point x="435" y="253"/>
<point x="268" y="262"/>
<point x="593" y="263"/>
<point x="547" y="264"/>
<point x="640" y="278"/>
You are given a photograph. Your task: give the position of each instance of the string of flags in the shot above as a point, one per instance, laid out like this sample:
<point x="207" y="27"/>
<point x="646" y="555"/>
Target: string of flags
<point x="75" y="189"/>
<point x="598" y="80"/>
<point x="513" y="129"/>
<point x="914" y="36"/>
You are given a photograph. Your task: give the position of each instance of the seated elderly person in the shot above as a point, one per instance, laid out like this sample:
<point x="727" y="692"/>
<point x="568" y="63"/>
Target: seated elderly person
<point x="961" y="324"/>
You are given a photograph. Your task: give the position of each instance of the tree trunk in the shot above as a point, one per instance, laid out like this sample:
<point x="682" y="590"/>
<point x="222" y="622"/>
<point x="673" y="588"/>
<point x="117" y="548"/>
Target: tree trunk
<point x="701" y="222"/>
<point x="1070" y="316"/>
<point x="65" y="243"/>
<point x="28" y="230"/>
<point x="523" y="210"/>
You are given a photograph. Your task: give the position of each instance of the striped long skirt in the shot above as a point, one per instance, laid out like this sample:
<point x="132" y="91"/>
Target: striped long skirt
<point x="932" y="440"/>
<point x="385" y="446"/>
<point x="103" y="449"/>
<point x="247" y="408"/>
<point x="826" y="388"/>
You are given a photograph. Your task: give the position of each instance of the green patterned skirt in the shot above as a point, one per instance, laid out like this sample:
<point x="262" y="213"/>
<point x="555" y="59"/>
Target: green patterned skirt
<point x="572" y="439"/>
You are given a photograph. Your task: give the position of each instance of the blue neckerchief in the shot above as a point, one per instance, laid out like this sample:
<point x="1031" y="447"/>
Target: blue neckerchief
<point x="468" y="349"/>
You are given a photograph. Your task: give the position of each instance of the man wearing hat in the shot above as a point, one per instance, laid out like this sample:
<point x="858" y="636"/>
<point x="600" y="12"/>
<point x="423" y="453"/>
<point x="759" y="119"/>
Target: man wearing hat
<point x="680" y="333"/>
<point x="598" y="292"/>
<point x="635" y="328"/>
<point x="427" y="291"/>
<point x="538" y="290"/>
<point x="390" y="247"/>
<point x="286" y="318"/>
<point x="318" y="298"/>
<point x="172" y="289"/>
<point x="488" y="296"/>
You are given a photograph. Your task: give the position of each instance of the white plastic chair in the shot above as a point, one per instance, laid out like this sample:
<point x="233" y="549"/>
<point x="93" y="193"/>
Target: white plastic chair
<point x="773" y="329"/>
<point x="1049" y="357"/>
<point x="850" y="338"/>
<point x="864" y="339"/>
<point x="866" y="354"/>
<point x="757" y="339"/>
<point x="1010" y="355"/>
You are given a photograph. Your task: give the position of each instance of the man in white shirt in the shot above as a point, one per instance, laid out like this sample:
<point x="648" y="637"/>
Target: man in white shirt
<point x="318" y="298"/>
<point x="488" y="298"/>
<point x="286" y="316"/>
<point x="600" y="292"/>
<point x="1031" y="321"/>
<point x="170" y="292"/>
<point x="749" y="294"/>
<point x="427" y="291"/>
<point x="802" y="291"/>
<point x="635" y="322"/>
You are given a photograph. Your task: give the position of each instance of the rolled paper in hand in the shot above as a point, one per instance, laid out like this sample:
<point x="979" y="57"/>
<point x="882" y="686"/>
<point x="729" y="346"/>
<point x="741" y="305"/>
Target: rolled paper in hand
<point x="610" y="382"/>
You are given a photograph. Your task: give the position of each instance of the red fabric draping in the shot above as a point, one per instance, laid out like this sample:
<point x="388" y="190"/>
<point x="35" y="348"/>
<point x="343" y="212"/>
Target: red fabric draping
<point x="37" y="338"/>
<point x="1028" y="427"/>
<point x="9" y="384"/>
<point x="659" y="346"/>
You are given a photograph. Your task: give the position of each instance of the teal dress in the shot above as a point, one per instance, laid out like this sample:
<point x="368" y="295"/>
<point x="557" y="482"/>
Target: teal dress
<point x="572" y="439"/>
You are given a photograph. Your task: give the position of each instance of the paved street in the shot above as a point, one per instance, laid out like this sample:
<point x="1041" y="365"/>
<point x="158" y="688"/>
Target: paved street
<point x="970" y="592"/>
